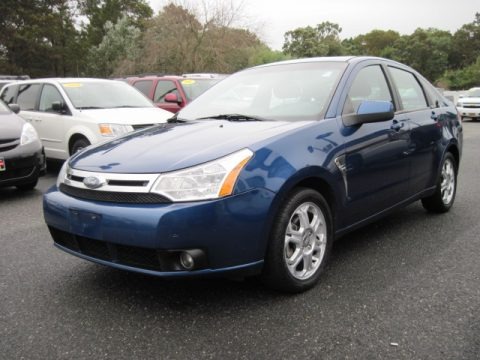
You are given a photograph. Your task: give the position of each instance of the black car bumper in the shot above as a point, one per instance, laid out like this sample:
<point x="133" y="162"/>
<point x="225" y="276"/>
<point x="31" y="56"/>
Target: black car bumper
<point x="22" y="165"/>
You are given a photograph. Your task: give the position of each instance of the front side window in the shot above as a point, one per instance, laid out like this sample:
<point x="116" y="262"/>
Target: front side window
<point x="164" y="87"/>
<point x="49" y="95"/>
<point x="409" y="89"/>
<point x="28" y="95"/>
<point x="143" y="86"/>
<point x="369" y="84"/>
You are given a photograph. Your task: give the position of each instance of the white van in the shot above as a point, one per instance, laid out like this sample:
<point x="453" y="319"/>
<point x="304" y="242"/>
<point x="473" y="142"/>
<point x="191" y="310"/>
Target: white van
<point x="70" y="114"/>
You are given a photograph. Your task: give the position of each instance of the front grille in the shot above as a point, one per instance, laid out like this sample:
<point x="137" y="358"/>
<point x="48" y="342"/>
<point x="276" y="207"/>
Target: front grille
<point x="149" y="259"/>
<point x="116" y="197"/>
<point x="471" y="106"/>
<point x="8" y="144"/>
<point x="16" y="173"/>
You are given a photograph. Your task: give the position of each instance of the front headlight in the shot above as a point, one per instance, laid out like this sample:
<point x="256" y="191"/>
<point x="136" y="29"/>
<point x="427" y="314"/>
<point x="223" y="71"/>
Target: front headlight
<point x="113" y="130"/>
<point x="62" y="174"/>
<point x="28" y="134"/>
<point x="211" y="180"/>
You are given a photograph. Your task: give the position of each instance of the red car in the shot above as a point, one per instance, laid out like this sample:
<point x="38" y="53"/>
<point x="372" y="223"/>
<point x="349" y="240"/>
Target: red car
<point x="173" y="92"/>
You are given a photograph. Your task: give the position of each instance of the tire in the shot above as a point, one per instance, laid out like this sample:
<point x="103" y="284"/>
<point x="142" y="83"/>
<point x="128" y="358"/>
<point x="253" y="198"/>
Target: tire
<point x="79" y="145"/>
<point x="294" y="262"/>
<point x="28" y="186"/>
<point x="442" y="200"/>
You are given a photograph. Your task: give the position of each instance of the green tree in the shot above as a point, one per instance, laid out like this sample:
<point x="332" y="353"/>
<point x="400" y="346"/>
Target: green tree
<point x="322" y="40"/>
<point x="463" y="78"/>
<point x="425" y="50"/>
<point x="118" y="50"/>
<point x="38" y="37"/>
<point x="98" y="12"/>
<point x="466" y="44"/>
<point x="374" y="43"/>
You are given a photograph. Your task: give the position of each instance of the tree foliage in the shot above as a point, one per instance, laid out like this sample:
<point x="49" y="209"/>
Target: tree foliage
<point x="321" y="40"/>
<point x="117" y="37"/>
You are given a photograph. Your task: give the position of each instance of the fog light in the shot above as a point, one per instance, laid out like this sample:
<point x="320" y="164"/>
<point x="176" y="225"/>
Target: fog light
<point x="186" y="260"/>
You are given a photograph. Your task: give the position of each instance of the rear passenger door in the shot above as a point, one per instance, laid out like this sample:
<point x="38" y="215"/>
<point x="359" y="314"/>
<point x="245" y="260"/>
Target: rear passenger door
<point x="415" y="109"/>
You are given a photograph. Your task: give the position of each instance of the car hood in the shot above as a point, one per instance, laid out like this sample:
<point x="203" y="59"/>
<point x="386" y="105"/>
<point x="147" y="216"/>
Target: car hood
<point x="171" y="147"/>
<point x="474" y="99"/>
<point x="10" y="126"/>
<point x="128" y="116"/>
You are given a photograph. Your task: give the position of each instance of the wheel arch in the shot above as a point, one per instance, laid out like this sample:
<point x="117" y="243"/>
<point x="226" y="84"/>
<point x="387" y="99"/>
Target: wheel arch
<point x="314" y="178"/>
<point x="75" y="137"/>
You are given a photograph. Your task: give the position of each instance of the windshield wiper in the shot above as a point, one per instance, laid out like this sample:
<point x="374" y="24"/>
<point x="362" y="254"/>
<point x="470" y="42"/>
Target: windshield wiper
<point x="234" y="117"/>
<point x="89" y="107"/>
<point x="124" y="106"/>
<point x="175" y="119"/>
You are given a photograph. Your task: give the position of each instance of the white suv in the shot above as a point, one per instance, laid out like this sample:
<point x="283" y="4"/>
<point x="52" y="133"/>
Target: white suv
<point x="70" y="114"/>
<point x="469" y="104"/>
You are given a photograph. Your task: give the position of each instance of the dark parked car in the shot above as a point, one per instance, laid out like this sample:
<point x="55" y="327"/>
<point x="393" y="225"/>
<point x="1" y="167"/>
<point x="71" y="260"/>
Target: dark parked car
<point x="22" y="159"/>
<point x="262" y="172"/>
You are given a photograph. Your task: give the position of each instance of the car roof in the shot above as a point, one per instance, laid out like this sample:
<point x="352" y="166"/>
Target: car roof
<point x="59" y="80"/>
<point x="346" y="59"/>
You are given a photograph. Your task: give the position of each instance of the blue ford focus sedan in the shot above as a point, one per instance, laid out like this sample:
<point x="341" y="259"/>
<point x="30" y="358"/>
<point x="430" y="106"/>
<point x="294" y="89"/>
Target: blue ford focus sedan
<point x="261" y="173"/>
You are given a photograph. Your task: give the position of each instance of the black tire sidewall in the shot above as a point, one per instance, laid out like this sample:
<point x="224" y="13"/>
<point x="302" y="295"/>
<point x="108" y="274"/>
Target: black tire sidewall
<point x="275" y="272"/>
<point x="79" y="143"/>
<point x="435" y="202"/>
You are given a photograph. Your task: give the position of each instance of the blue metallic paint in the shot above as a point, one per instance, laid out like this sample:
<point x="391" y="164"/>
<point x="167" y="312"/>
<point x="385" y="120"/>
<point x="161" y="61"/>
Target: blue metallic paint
<point x="388" y="164"/>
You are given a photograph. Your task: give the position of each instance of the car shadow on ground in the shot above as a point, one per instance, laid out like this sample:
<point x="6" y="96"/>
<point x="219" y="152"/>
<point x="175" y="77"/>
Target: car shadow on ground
<point x="372" y="257"/>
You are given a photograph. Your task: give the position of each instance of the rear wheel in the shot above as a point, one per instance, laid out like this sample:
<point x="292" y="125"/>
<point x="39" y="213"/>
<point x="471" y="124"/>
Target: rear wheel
<point x="79" y="145"/>
<point x="300" y="242"/>
<point x="442" y="200"/>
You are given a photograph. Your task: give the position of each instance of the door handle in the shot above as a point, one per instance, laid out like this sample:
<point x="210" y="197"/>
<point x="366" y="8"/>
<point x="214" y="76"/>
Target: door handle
<point x="397" y="125"/>
<point x="38" y="120"/>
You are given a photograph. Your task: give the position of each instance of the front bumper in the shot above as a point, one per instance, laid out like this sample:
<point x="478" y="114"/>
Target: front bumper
<point x="231" y="232"/>
<point x="23" y="165"/>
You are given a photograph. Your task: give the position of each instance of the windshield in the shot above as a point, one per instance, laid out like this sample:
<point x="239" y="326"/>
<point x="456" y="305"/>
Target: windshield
<point x="104" y="95"/>
<point x="4" y="108"/>
<point x="473" y="92"/>
<point x="194" y="87"/>
<point x="291" y="92"/>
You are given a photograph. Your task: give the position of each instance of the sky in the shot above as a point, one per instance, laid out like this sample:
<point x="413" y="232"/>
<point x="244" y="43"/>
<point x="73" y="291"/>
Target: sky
<point x="272" y="18"/>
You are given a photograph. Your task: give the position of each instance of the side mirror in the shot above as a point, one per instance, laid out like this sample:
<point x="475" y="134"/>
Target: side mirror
<point x="172" y="98"/>
<point x="14" y="107"/>
<point x="59" y="107"/>
<point x="370" y="111"/>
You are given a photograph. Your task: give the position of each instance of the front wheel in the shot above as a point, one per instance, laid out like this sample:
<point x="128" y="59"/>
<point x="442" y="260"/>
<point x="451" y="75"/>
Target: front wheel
<point x="79" y="145"/>
<point x="442" y="200"/>
<point x="300" y="242"/>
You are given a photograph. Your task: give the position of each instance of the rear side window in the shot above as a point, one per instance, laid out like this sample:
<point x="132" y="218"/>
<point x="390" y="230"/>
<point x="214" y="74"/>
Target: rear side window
<point x="28" y="95"/>
<point x="164" y="88"/>
<point x="369" y="84"/>
<point x="144" y="86"/>
<point x="49" y="95"/>
<point x="8" y="95"/>
<point x="410" y="91"/>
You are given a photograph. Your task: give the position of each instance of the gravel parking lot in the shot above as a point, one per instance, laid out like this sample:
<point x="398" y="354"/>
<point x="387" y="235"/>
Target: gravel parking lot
<point x="407" y="287"/>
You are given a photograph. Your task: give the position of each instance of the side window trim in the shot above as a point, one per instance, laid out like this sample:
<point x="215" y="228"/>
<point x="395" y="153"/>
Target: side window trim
<point x="389" y="84"/>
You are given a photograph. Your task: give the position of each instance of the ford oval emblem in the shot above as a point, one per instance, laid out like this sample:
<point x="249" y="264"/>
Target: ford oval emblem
<point x="92" y="182"/>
